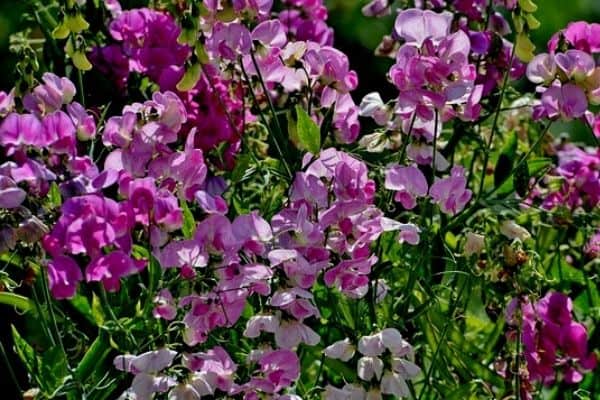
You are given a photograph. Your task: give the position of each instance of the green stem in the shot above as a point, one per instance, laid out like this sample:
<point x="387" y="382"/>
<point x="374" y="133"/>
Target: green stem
<point x="486" y="157"/>
<point x="265" y="122"/>
<point x="272" y="108"/>
<point x="11" y="372"/>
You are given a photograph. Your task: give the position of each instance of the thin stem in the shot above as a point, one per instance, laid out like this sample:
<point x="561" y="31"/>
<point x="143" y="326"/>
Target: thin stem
<point x="265" y="122"/>
<point x="271" y="107"/>
<point x="11" y="372"/>
<point x="486" y="157"/>
<point x="442" y="338"/>
<point x="80" y="84"/>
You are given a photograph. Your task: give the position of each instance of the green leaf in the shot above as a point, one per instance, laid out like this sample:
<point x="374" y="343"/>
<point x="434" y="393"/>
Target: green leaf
<point x="81" y="304"/>
<point x="61" y="32"/>
<point x="25" y="352"/>
<point x="502" y="170"/>
<point x="527" y="6"/>
<point x="97" y="311"/>
<point x="94" y="357"/>
<point x="21" y="303"/>
<point x="189" y="223"/>
<point x="307" y="132"/>
<point x="54" y="196"/>
<point x="190" y="78"/>
<point x="524" y="48"/>
<point x="53" y="371"/>
<point x="81" y="61"/>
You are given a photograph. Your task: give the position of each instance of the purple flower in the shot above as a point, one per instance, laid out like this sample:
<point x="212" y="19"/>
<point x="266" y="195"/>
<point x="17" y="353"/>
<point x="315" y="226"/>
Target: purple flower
<point x="408" y="183"/>
<point x="165" y="306"/>
<point x="63" y="277"/>
<point x="11" y="196"/>
<point x="415" y="26"/>
<point x="377" y="8"/>
<point x="230" y="41"/>
<point x="567" y="101"/>
<point x="451" y="193"/>
<point x="50" y="96"/>
<point x="111" y="268"/>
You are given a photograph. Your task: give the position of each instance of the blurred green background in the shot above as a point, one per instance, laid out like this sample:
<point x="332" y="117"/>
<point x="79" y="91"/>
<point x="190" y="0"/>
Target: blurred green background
<point x="355" y="34"/>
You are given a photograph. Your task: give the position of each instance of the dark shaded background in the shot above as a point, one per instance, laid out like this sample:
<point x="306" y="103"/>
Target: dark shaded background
<point x="356" y="35"/>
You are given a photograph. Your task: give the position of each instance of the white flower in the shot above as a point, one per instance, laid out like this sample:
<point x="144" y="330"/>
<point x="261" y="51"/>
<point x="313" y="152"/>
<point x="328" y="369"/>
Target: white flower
<point x="475" y="243"/>
<point x="394" y="384"/>
<point x="369" y="367"/>
<point x="340" y="350"/>
<point x="512" y="230"/>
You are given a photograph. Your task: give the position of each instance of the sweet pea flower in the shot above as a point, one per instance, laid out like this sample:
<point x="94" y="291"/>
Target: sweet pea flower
<point x="11" y="196"/>
<point x="63" y="277"/>
<point x="165" y="307"/>
<point x="51" y="95"/>
<point x="341" y="350"/>
<point x="111" y="268"/>
<point x="408" y="183"/>
<point x="291" y="333"/>
<point x="451" y="193"/>
<point x="415" y="26"/>
<point x="215" y="365"/>
<point x="279" y="369"/>
<point x="513" y="231"/>
<point x="376" y="8"/>
<point x="230" y="40"/>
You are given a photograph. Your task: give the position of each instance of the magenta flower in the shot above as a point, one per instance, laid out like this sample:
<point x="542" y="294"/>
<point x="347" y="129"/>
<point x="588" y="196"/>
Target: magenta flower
<point x="376" y="8"/>
<point x="22" y="129"/>
<point x="216" y="367"/>
<point x="111" y="268"/>
<point x="63" y="277"/>
<point x="230" y="41"/>
<point x="50" y="96"/>
<point x="552" y="341"/>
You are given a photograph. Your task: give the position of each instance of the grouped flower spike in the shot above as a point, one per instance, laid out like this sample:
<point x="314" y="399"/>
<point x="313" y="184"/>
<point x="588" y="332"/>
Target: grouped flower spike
<point x="379" y="377"/>
<point x="574" y="184"/>
<point x="554" y="345"/>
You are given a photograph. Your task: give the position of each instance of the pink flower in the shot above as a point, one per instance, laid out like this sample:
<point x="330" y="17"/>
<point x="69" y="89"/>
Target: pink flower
<point x="165" y="307"/>
<point x="451" y="193"/>
<point x="279" y="369"/>
<point x="216" y="367"/>
<point x="414" y="25"/>
<point x="408" y="183"/>
<point x="230" y="40"/>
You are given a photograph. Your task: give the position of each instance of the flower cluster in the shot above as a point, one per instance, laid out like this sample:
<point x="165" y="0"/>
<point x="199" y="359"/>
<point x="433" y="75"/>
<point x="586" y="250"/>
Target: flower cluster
<point x="574" y="183"/>
<point x="391" y="375"/>
<point x="567" y="77"/>
<point x="552" y="342"/>
<point x="146" y="43"/>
